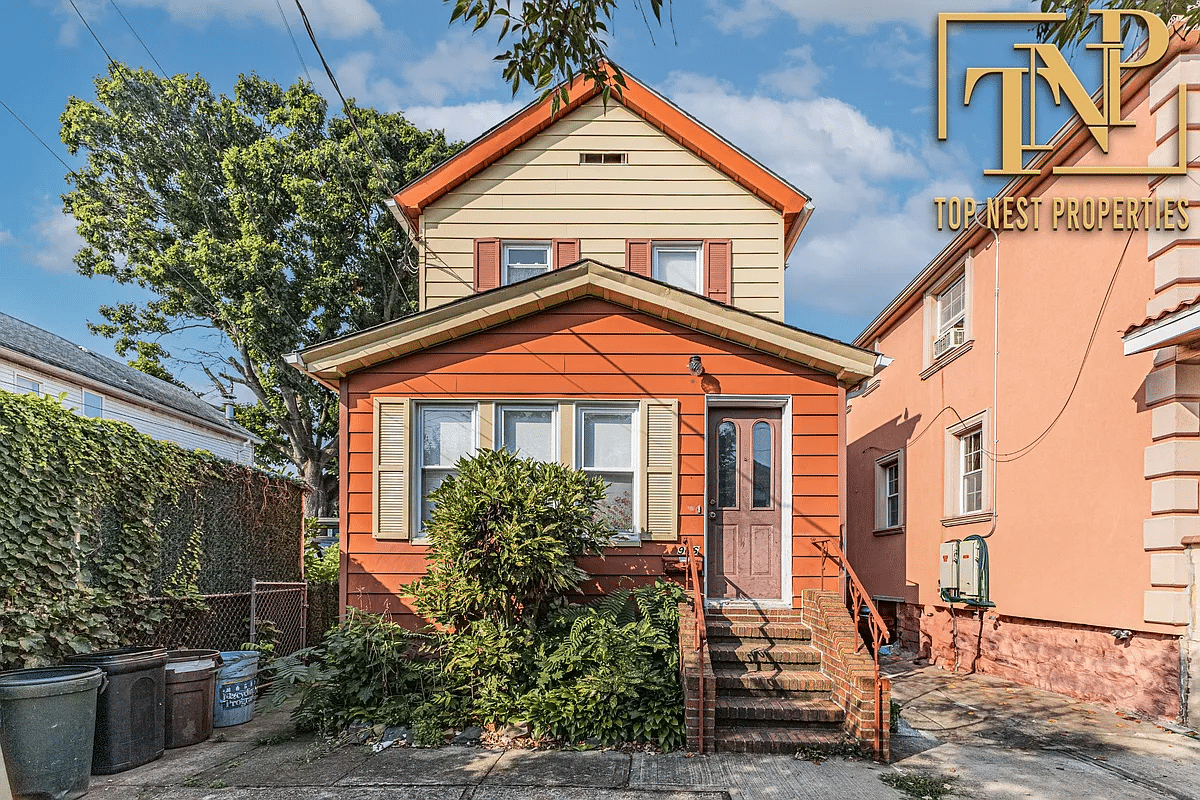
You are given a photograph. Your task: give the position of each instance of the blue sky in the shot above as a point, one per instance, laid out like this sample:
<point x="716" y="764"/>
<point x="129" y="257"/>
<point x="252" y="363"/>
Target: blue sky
<point x="835" y="96"/>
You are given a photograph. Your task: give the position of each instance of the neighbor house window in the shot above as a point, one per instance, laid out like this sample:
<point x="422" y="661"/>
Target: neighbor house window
<point x="607" y="450"/>
<point x="28" y="385"/>
<point x="889" y="491"/>
<point x="951" y="310"/>
<point x="522" y="260"/>
<point x="528" y="431"/>
<point x="93" y="404"/>
<point x="967" y="467"/>
<point x="446" y="434"/>
<point x="679" y="264"/>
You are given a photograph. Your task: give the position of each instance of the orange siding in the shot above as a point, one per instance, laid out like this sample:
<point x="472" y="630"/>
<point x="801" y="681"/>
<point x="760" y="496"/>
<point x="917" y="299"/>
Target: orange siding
<point x="592" y="349"/>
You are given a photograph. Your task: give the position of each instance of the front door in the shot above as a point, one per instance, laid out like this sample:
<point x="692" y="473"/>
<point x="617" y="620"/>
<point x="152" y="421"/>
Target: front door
<point x="744" y="504"/>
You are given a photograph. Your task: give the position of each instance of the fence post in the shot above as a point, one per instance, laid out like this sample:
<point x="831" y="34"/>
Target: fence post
<point x="304" y="615"/>
<point x="253" y="606"/>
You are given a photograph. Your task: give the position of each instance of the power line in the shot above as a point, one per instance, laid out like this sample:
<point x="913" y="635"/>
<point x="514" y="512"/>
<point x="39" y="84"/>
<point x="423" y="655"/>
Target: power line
<point x="92" y="32"/>
<point x="34" y="135"/>
<point x="295" y="45"/>
<point x="139" y="38"/>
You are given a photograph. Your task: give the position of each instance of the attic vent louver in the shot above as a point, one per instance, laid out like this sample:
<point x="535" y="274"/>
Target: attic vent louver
<point x="603" y="158"/>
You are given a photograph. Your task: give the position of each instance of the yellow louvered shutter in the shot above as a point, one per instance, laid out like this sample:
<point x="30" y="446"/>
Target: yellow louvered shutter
<point x="391" y="460"/>
<point x="660" y="454"/>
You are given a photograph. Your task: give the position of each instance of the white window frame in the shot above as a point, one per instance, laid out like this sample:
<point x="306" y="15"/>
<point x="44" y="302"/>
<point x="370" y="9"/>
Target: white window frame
<point x="956" y="509"/>
<point x="882" y="465"/>
<point x="505" y="246"/>
<point x="581" y="411"/>
<point x="555" y="425"/>
<point x="965" y="472"/>
<point x="959" y="320"/>
<point x="84" y="403"/>
<point x="935" y="329"/>
<point x="36" y="388"/>
<point x="418" y="468"/>
<point x="683" y="246"/>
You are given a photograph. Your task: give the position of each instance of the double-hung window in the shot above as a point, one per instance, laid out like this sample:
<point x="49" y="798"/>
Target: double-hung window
<point x="523" y="260"/>
<point x="971" y="452"/>
<point x="528" y="431"/>
<point x="27" y="385"/>
<point x="445" y="434"/>
<point x="607" y="450"/>
<point x="680" y="264"/>
<point x="889" y="492"/>
<point x="968" y="468"/>
<point x="951" y="317"/>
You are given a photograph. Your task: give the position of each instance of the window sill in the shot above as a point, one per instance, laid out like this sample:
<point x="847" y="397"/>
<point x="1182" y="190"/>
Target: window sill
<point x="946" y="357"/>
<point x="888" y="531"/>
<point x="626" y="543"/>
<point x="966" y="519"/>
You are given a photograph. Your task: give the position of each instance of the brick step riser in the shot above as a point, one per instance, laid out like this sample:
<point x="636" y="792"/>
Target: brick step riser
<point x="758" y="638"/>
<point x="773" y="741"/>
<point x="738" y="690"/>
<point x="771" y="616"/>
<point x="760" y="724"/>
<point x="809" y="662"/>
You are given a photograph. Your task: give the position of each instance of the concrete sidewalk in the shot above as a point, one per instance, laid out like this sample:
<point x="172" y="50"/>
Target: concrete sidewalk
<point x="999" y="740"/>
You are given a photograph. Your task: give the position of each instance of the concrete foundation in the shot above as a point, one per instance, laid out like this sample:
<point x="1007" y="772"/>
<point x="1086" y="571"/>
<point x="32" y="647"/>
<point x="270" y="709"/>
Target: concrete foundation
<point x="1139" y="674"/>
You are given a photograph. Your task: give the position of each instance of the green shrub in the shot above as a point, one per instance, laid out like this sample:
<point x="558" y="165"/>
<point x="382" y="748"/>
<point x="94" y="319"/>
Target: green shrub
<point x="319" y="567"/>
<point x="504" y="538"/>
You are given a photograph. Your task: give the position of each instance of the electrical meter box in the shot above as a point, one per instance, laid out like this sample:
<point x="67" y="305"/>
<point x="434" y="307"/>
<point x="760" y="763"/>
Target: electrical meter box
<point x="969" y="569"/>
<point x="948" y="567"/>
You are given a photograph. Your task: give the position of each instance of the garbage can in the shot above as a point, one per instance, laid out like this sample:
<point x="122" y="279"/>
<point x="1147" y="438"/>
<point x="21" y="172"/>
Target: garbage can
<point x="130" y="711"/>
<point x="236" y="688"/>
<point x="191" y="686"/>
<point x="47" y="722"/>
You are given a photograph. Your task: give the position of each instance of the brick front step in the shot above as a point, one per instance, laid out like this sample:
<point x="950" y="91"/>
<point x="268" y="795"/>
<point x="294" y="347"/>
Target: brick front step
<point x="774" y="631"/>
<point x="755" y="615"/>
<point x="747" y="711"/>
<point x="774" y="740"/>
<point x="764" y="655"/>
<point x="793" y="684"/>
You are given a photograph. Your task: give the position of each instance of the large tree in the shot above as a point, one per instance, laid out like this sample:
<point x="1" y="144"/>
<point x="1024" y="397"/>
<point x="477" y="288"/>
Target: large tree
<point x="255" y="219"/>
<point x="1080" y="22"/>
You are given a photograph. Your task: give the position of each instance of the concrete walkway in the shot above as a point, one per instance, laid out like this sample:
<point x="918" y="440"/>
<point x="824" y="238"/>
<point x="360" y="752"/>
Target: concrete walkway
<point x="998" y="739"/>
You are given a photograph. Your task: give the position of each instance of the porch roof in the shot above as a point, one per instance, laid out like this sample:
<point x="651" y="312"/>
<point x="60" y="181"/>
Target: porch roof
<point x="330" y="361"/>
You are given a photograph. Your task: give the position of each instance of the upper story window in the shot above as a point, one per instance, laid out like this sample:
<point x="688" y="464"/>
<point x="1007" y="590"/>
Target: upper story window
<point x="889" y="492"/>
<point x="951" y="309"/>
<point x="27" y="385"/>
<point x="603" y="158"/>
<point x="679" y="264"/>
<point x="968" y="468"/>
<point x="522" y="260"/>
<point x="93" y="404"/>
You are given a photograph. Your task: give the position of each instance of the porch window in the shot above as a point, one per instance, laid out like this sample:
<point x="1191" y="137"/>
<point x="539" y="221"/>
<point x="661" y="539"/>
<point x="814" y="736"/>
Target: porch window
<point x="523" y="260"/>
<point x="680" y="265"/>
<point x="528" y="431"/>
<point x="446" y="434"/>
<point x="607" y="450"/>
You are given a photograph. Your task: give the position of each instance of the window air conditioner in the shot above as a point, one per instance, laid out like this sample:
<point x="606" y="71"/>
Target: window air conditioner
<point x="948" y="341"/>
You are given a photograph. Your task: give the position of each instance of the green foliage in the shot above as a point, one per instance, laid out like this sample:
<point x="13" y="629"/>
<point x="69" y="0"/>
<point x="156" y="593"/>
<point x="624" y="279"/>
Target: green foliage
<point x="504" y="537"/>
<point x="364" y="670"/>
<point x="553" y="42"/>
<point x="1080" y="22"/>
<point x="319" y="567"/>
<point x="84" y="505"/>
<point x="253" y="216"/>
<point x="923" y="787"/>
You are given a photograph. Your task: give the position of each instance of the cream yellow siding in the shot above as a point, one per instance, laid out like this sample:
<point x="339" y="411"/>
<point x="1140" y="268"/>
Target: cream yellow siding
<point x="540" y="191"/>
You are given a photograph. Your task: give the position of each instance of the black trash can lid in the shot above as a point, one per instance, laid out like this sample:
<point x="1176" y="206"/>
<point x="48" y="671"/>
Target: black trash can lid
<point x="123" y="659"/>
<point x="23" y="684"/>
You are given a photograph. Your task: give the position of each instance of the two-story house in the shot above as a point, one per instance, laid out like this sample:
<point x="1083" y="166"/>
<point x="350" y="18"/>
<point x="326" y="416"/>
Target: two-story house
<point x="602" y="287"/>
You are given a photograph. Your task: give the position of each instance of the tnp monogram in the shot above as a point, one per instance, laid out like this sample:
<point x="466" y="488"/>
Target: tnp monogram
<point x="1046" y="62"/>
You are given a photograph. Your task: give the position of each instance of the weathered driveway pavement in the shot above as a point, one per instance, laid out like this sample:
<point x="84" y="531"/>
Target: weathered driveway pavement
<point x="998" y="739"/>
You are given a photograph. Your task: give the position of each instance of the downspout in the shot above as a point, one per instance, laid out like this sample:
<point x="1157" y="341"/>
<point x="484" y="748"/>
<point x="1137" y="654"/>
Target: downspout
<point x="995" y="420"/>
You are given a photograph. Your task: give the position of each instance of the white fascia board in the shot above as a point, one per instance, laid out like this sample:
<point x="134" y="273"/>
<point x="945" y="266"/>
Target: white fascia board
<point x="1164" y="331"/>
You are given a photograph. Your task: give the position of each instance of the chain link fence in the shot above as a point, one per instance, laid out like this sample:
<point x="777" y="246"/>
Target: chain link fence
<point x="271" y="612"/>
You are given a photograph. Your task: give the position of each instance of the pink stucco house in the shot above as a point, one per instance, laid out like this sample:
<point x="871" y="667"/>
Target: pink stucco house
<point x="1041" y="414"/>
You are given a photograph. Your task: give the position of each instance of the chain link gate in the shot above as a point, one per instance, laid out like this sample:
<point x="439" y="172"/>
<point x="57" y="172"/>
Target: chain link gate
<point x="283" y="606"/>
<point x="275" y="611"/>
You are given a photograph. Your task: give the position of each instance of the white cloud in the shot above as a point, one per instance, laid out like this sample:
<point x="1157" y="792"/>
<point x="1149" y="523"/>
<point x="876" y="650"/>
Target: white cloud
<point x="799" y="78"/>
<point x="873" y="188"/>
<point x="6" y="237"/>
<point x="55" y="241"/>
<point x="465" y="121"/>
<point x="460" y="63"/>
<point x="752" y="16"/>
<point x="339" y="18"/>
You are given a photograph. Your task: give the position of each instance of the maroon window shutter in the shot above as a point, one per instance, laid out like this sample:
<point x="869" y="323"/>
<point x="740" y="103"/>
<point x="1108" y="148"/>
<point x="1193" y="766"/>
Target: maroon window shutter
<point x="637" y="257"/>
<point x="718" y="270"/>
<point x="487" y="264"/>
<point x="566" y="252"/>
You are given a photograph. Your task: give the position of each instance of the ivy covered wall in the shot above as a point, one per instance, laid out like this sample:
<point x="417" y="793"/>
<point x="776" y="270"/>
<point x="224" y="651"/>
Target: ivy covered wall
<point x="95" y="518"/>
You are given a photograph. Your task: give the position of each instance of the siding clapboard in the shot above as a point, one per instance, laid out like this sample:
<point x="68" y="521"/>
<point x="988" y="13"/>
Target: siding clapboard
<point x="559" y="353"/>
<point x="540" y="191"/>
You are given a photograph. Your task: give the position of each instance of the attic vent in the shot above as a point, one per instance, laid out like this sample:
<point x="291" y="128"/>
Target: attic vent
<point x="603" y="158"/>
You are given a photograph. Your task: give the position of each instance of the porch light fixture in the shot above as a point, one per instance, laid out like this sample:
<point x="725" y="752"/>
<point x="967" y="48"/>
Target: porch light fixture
<point x="695" y="366"/>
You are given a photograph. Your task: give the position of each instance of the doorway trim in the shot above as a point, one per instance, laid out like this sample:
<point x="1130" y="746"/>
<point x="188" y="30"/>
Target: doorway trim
<point x="786" y="486"/>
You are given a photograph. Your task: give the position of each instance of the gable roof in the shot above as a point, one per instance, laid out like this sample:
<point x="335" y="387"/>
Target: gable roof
<point x="330" y="361"/>
<point x="39" y="345"/>
<point x="795" y="206"/>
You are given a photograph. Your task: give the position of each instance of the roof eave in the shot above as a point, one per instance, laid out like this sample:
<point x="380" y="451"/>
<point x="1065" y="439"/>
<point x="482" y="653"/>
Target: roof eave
<point x="1178" y="328"/>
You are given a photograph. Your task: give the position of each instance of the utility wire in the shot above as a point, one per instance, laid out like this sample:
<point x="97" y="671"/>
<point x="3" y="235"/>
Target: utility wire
<point x="139" y="38"/>
<point x="92" y="32"/>
<point x="295" y="45"/>
<point x="345" y="106"/>
<point x="40" y="139"/>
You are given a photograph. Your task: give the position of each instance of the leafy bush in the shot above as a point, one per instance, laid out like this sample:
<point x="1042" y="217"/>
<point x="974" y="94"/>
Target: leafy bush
<point x="504" y="538"/>
<point x="319" y="567"/>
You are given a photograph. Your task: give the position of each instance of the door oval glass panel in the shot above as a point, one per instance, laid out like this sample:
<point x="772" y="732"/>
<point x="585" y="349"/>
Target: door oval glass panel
<point x="762" y="465"/>
<point x="726" y="465"/>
